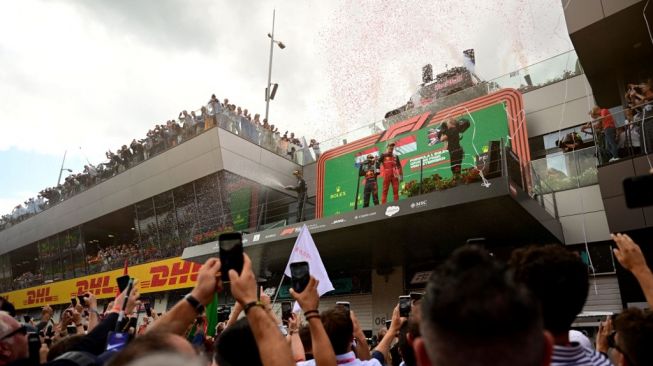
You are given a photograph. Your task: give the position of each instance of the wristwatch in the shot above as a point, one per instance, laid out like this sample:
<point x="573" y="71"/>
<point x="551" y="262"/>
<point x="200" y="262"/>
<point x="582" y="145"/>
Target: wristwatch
<point x="199" y="308"/>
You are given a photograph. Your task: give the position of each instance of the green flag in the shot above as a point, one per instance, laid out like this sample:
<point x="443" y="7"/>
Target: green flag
<point x="212" y="316"/>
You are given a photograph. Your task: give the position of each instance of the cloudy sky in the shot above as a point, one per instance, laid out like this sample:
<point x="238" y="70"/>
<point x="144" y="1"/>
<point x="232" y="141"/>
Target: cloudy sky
<point x="87" y="76"/>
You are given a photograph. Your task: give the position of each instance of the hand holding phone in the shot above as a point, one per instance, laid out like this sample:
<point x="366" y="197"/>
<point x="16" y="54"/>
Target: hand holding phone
<point x="404" y="306"/>
<point x="300" y="276"/>
<point x="122" y="282"/>
<point x="345" y="304"/>
<point x="148" y="309"/>
<point x="286" y="311"/>
<point x="231" y="253"/>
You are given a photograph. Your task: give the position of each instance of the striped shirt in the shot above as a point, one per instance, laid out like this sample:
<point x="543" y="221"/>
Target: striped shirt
<point x="577" y="355"/>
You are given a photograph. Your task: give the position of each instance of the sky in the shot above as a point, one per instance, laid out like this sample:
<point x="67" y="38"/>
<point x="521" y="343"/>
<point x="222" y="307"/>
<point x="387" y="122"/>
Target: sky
<point x="83" y="77"/>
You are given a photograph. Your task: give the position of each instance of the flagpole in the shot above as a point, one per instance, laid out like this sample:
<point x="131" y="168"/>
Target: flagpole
<point x="276" y="293"/>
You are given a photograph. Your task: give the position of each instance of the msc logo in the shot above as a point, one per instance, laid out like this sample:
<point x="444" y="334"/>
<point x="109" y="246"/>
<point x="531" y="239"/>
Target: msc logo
<point x="180" y="273"/>
<point x="339" y="221"/>
<point x="97" y="286"/>
<point x="419" y="204"/>
<point x="39" y="296"/>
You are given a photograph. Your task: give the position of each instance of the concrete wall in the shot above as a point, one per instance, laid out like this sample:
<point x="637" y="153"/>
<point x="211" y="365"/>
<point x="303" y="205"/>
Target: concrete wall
<point x="203" y="155"/>
<point x="547" y="109"/>
<point x="582" y="13"/>
<point x="582" y="215"/>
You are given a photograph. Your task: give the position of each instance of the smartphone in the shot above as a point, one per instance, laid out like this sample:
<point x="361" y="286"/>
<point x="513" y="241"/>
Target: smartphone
<point x="639" y="191"/>
<point x="49" y="332"/>
<point x="286" y="310"/>
<point x="73" y="300"/>
<point x="387" y="324"/>
<point x="116" y="341"/>
<point x="344" y="304"/>
<point x="132" y="323"/>
<point x="416" y="296"/>
<point x="148" y="309"/>
<point x="33" y="347"/>
<point x="299" y="276"/>
<point x="82" y="300"/>
<point x="231" y="253"/>
<point x="27" y="318"/>
<point x="122" y="281"/>
<point x="404" y="306"/>
<point x="71" y="329"/>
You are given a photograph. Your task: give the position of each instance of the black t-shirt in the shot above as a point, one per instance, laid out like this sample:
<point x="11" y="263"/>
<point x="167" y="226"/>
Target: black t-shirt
<point x="453" y="135"/>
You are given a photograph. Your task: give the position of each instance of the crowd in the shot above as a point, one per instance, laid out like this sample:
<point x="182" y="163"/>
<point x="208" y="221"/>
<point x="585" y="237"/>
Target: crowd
<point x="113" y="257"/>
<point x="27" y="279"/>
<point x="475" y="311"/>
<point x="164" y="136"/>
<point x="635" y="136"/>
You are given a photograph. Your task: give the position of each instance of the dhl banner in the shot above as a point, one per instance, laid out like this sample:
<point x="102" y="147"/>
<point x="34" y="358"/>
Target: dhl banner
<point x="169" y="274"/>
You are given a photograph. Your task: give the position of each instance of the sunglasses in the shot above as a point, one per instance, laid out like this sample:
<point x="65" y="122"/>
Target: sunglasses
<point x="20" y="330"/>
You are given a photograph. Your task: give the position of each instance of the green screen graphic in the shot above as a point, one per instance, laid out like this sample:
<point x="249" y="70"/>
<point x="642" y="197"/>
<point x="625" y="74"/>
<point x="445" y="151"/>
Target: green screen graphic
<point x="341" y="173"/>
<point x="239" y="203"/>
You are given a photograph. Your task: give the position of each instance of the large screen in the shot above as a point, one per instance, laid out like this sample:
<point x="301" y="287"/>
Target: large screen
<point x="424" y="145"/>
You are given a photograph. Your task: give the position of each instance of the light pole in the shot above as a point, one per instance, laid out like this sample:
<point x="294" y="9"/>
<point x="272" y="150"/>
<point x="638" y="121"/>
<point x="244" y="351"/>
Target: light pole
<point x="268" y="90"/>
<point x="62" y="168"/>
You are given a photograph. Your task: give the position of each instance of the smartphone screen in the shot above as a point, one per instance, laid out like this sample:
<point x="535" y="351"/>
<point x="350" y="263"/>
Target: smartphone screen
<point x="404" y="306"/>
<point x="71" y="329"/>
<point x="73" y="300"/>
<point x="81" y="300"/>
<point x="639" y="191"/>
<point x="344" y="304"/>
<point x="116" y="341"/>
<point x="123" y="282"/>
<point x="286" y="310"/>
<point x="148" y="309"/>
<point x="387" y="324"/>
<point x="231" y="253"/>
<point x="299" y="276"/>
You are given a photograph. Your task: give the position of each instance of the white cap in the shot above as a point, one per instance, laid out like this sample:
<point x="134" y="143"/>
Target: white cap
<point x="579" y="337"/>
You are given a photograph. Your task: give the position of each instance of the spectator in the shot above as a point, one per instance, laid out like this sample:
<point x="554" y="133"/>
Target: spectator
<point x="473" y="313"/>
<point x="214" y="107"/>
<point x="198" y="121"/>
<point x="316" y="148"/>
<point x="570" y="142"/>
<point x="633" y="338"/>
<point x="13" y="340"/>
<point x="152" y="342"/>
<point x="558" y="279"/>
<point x="609" y="131"/>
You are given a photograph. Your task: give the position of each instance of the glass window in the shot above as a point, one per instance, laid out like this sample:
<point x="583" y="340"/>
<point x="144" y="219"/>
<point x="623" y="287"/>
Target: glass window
<point x="147" y="230"/>
<point x="186" y="211"/>
<point x="166" y="220"/>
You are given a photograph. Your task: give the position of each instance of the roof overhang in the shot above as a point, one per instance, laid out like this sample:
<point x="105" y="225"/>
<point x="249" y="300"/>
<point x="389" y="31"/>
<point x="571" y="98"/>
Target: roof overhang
<point x="420" y="229"/>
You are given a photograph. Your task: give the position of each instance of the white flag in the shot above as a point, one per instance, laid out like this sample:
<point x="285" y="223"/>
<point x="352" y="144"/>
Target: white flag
<point x="306" y="251"/>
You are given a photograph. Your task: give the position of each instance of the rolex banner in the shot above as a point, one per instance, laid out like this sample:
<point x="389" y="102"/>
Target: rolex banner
<point x="429" y="145"/>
